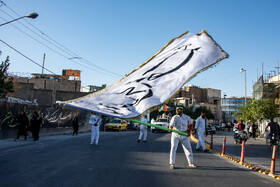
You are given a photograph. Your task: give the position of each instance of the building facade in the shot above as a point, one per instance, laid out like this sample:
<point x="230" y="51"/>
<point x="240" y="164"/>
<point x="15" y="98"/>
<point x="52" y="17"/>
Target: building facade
<point x="231" y="106"/>
<point x="195" y="96"/>
<point x="46" y="89"/>
<point x="92" y="88"/>
<point x="268" y="89"/>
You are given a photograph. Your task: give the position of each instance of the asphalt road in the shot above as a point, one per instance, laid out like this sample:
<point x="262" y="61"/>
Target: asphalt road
<point x="118" y="160"/>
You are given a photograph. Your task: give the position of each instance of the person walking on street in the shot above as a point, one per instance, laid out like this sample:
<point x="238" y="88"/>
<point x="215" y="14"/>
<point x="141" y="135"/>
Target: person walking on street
<point x="200" y="129"/>
<point x="247" y="127"/>
<point x="274" y="129"/>
<point x="23" y="125"/>
<point x="35" y="125"/>
<point x="223" y="126"/>
<point x="143" y="130"/>
<point x="254" y="130"/>
<point x="180" y="122"/>
<point x="95" y="121"/>
<point x="229" y="126"/>
<point x="75" y="124"/>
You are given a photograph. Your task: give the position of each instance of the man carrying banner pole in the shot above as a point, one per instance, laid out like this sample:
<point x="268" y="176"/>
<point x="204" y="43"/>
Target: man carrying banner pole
<point x="180" y="122"/>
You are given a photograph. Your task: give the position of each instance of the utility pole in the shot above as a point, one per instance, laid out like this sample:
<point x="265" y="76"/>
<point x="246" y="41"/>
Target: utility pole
<point x="262" y="68"/>
<point x="43" y="63"/>
<point x="278" y="86"/>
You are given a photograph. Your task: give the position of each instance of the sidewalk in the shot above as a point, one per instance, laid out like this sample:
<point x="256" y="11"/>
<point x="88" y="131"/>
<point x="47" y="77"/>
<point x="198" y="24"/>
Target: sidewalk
<point x="256" y="151"/>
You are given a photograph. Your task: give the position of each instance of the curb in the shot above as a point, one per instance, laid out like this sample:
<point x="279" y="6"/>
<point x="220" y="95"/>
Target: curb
<point x="250" y="166"/>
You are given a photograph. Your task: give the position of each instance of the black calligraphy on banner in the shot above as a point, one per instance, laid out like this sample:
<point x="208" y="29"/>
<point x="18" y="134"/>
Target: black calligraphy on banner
<point x="140" y="89"/>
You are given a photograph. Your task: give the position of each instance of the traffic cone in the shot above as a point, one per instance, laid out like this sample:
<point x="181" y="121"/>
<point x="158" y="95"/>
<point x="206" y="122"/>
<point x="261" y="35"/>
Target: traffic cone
<point x="242" y="152"/>
<point x="272" y="168"/>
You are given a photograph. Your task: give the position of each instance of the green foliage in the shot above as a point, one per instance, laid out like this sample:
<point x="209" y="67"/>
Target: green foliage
<point x="256" y="110"/>
<point x="197" y="113"/>
<point x="194" y="114"/>
<point x="6" y="83"/>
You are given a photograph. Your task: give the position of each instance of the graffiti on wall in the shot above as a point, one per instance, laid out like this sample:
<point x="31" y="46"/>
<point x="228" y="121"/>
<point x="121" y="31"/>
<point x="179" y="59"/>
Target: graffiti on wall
<point x="52" y="117"/>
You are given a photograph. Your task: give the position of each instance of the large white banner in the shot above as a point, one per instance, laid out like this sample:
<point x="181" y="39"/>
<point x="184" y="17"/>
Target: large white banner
<point x="156" y="80"/>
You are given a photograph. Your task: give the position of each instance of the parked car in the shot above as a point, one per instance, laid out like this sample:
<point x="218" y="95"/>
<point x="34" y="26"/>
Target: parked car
<point x="163" y="122"/>
<point x="116" y="124"/>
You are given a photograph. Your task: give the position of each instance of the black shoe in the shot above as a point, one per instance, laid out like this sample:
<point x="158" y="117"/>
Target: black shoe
<point x="206" y="150"/>
<point x="198" y="149"/>
<point x="145" y="141"/>
<point x="138" y="141"/>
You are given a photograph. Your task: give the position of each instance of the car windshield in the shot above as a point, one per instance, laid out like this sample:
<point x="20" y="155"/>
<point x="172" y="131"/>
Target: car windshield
<point x="115" y="121"/>
<point x="162" y="120"/>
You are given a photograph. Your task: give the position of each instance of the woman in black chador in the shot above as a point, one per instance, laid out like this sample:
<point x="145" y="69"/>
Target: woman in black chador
<point x="75" y="124"/>
<point x="23" y="124"/>
<point x="35" y="125"/>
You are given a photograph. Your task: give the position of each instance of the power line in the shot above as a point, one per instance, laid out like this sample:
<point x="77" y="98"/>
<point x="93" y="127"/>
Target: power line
<point x="71" y="59"/>
<point x="31" y="31"/>
<point x="222" y="79"/>
<point x="69" y="52"/>
<point x="27" y="57"/>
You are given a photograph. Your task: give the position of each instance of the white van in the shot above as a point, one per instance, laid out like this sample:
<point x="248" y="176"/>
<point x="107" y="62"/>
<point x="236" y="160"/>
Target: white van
<point x="163" y="122"/>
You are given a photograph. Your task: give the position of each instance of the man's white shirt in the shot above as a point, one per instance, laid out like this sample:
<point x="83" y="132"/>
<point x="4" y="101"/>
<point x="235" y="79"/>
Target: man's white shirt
<point x="93" y="119"/>
<point x="145" y="120"/>
<point x="181" y="123"/>
<point x="200" y="124"/>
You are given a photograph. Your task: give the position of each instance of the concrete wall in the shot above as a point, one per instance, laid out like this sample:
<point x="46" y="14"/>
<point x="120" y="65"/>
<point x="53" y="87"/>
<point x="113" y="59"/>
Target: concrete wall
<point x="45" y="97"/>
<point x="213" y="93"/>
<point x="50" y="84"/>
<point x="198" y="94"/>
<point x="64" y="95"/>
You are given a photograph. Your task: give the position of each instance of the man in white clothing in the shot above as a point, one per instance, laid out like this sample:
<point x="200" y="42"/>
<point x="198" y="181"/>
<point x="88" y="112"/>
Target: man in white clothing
<point x="180" y="122"/>
<point x="95" y="121"/>
<point x="143" y="130"/>
<point x="200" y="129"/>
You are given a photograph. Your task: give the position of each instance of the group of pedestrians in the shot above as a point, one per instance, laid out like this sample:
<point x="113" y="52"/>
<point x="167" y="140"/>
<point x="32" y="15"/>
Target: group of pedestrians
<point x="249" y="127"/>
<point x="33" y="125"/>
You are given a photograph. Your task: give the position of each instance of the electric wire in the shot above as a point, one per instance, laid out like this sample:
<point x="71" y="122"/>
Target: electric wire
<point x="26" y="57"/>
<point x="221" y="80"/>
<point x="58" y="52"/>
<point x="69" y="52"/>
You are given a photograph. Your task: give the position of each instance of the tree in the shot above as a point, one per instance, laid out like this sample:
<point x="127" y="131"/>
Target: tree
<point x="194" y="114"/>
<point x="256" y="110"/>
<point x="197" y="113"/>
<point x="6" y="83"/>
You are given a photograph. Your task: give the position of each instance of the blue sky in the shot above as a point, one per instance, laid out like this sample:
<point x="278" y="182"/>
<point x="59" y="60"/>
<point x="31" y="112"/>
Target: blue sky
<point x="119" y="35"/>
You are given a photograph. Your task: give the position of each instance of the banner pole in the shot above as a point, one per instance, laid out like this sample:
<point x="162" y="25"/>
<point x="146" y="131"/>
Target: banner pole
<point x="159" y="127"/>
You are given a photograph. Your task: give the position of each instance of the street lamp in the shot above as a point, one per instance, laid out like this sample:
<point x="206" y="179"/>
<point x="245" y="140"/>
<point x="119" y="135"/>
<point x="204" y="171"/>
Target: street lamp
<point x="32" y="15"/>
<point x="241" y="70"/>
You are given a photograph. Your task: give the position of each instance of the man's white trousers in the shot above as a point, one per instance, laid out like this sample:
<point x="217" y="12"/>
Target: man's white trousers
<point x="143" y="133"/>
<point x="94" y="134"/>
<point x="186" y="144"/>
<point x="201" y="141"/>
